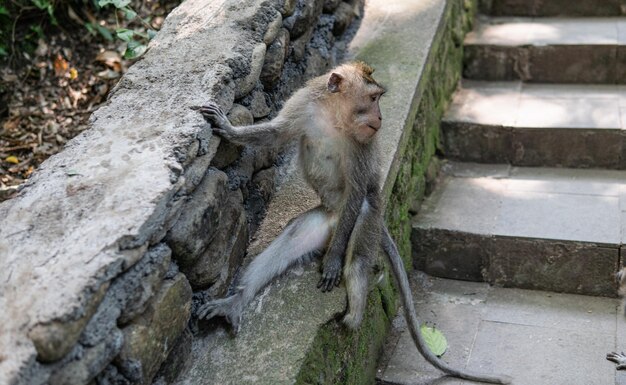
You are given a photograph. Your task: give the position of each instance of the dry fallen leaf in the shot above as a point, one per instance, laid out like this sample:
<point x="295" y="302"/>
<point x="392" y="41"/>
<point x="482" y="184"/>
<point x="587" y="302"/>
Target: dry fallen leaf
<point x="60" y="66"/>
<point x="12" y="159"/>
<point x="73" y="73"/>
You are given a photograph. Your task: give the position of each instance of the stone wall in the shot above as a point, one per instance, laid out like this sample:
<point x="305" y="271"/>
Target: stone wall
<point x="103" y="249"/>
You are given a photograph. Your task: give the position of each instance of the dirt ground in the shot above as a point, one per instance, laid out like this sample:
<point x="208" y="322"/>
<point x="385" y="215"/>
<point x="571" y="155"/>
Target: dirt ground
<point x="53" y="90"/>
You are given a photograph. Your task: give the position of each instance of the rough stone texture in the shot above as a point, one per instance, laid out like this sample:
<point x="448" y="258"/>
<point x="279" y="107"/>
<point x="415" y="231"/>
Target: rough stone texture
<point x="192" y="234"/>
<point x="245" y="84"/>
<point x="548" y="229"/>
<point x="330" y="5"/>
<point x="553" y="8"/>
<point x="148" y="340"/>
<point x="226" y="249"/>
<point x="55" y="339"/>
<point x="88" y="361"/>
<point x="118" y="188"/>
<point x="274" y="59"/>
<point x="343" y="17"/>
<point x="257" y="104"/>
<point x="306" y="12"/>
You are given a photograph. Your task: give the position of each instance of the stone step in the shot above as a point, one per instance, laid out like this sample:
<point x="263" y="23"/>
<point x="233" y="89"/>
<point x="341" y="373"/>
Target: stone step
<point x="562" y="337"/>
<point x="552" y="50"/>
<point x="563" y="125"/>
<point x="554" y="8"/>
<point x="535" y="228"/>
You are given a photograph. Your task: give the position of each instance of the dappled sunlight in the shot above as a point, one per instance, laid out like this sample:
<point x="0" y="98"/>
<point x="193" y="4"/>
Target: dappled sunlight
<point x="567" y="113"/>
<point x="495" y="107"/>
<point x="545" y="31"/>
<point x="539" y="206"/>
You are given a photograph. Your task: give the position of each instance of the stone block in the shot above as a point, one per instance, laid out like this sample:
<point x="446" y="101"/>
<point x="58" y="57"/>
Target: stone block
<point x="225" y="252"/>
<point x="573" y="64"/>
<point x="55" y="339"/>
<point x="344" y="14"/>
<point x="491" y="62"/>
<point x="148" y="339"/>
<point x="477" y="143"/>
<point x="198" y="224"/>
<point x="583" y="8"/>
<point x="578" y="148"/>
<point x="305" y="15"/>
<point x="274" y="59"/>
<point x="246" y="83"/>
<point x="88" y="362"/>
<point x="568" y="267"/>
<point x="449" y="254"/>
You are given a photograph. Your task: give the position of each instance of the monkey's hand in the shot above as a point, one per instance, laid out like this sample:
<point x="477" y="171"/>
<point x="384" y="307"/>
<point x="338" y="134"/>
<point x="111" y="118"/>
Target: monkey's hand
<point x="331" y="272"/>
<point x="618" y="358"/>
<point x="229" y="308"/>
<point x="213" y="114"/>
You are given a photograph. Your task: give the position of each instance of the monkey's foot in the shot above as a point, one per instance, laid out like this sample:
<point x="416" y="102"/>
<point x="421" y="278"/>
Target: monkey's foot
<point x="229" y="308"/>
<point x="618" y="358"/>
<point x="352" y="321"/>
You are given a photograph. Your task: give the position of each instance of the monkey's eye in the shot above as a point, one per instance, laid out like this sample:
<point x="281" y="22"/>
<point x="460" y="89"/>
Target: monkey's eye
<point x="374" y="97"/>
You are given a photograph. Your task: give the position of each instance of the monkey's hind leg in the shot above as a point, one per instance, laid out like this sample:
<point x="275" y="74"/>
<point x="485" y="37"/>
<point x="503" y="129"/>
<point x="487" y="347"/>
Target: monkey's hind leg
<point x="360" y="254"/>
<point x="303" y="235"/>
<point x="618" y="358"/>
<point x="356" y="276"/>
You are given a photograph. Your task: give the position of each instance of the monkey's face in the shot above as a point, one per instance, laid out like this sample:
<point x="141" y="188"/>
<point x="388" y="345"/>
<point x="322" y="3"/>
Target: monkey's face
<point x="355" y="100"/>
<point x="367" y="119"/>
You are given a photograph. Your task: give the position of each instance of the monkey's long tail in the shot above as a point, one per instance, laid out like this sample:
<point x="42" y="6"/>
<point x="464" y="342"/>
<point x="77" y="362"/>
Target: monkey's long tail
<point x="397" y="267"/>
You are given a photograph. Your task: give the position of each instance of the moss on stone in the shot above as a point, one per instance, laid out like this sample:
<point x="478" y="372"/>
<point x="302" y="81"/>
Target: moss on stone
<point x="340" y="356"/>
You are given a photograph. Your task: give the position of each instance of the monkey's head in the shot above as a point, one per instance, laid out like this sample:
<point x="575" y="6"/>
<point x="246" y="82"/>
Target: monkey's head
<point x="356" y="95"/>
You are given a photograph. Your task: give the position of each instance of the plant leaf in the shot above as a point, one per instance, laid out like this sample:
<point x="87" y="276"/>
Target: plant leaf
<point x="129" y="14"/>
<point x="124" y="34"/>
<point x="134" y="49"/>
<point x="435" y="340"/>
<point x="151" y="34"/>
<point x="104" y="32"/>
<point x="4" y="11"/>
<point x="117" y="3"/>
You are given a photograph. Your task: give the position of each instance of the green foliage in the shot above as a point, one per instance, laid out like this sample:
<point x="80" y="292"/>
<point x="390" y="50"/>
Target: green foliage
<point x="24" y="22"/>
<point x="136" y="41"/>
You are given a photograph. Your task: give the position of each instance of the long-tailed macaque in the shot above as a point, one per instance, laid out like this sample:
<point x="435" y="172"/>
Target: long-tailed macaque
<point x="335" y="118"/>
<point x="620" y="358"/>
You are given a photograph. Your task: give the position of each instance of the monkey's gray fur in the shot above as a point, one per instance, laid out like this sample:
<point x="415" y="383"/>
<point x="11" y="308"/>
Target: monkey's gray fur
<point x="335" y="118"/>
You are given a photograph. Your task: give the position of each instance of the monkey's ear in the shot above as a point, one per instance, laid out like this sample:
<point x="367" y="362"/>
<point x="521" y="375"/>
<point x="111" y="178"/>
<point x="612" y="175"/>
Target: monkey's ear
<point x="334" y="81"/>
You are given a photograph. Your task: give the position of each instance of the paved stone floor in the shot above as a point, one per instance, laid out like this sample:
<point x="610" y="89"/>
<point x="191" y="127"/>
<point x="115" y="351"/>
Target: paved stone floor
<point x="537" y="337"/>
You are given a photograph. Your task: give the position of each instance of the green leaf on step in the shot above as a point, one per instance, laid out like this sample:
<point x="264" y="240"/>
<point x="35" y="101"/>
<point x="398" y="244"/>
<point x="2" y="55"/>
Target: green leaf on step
<point x="435" y="340"/>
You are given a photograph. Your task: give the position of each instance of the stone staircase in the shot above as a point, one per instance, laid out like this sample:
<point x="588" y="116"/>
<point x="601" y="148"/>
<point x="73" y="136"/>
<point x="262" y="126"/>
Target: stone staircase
<point x="532" y="195"/>
<point x="548" y="93"/>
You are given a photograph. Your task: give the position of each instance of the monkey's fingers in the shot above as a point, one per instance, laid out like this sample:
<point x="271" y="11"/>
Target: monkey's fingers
<point x="208" y="311"/>
<point x="328" y="281"/>
<point x="617" y="358"/>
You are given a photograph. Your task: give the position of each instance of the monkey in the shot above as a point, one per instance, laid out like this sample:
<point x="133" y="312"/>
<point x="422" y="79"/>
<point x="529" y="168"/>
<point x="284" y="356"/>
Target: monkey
<point x="335" y="118"/>
<point x="619" y="358"/>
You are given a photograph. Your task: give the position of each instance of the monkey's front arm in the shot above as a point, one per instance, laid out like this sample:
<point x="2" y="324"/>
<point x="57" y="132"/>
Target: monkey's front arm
<point x="335" y="254"/>
<point x="274" y="133"/>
